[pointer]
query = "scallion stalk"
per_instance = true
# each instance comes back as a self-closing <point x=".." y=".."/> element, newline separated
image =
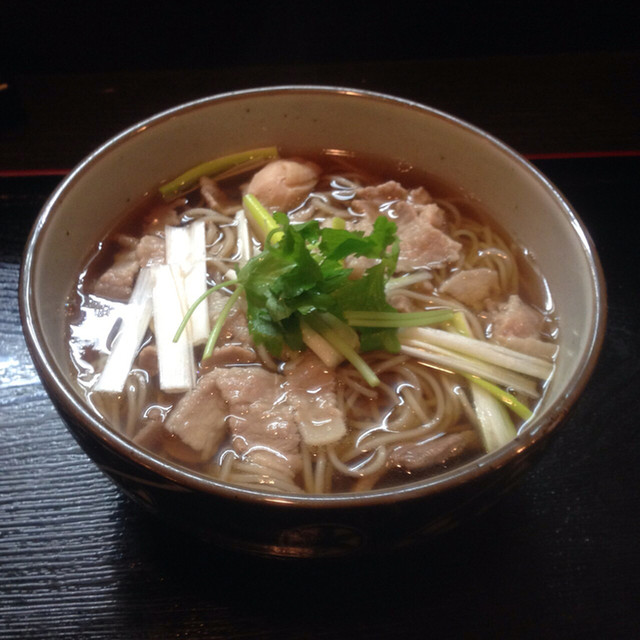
<point x="460" y="324"/>
<point x="505" y="397"/>
<point x="338" y="343"/>
<point x="212" y="168"/>
<point x="390" y="319"/>
<point x="263" y="221"/>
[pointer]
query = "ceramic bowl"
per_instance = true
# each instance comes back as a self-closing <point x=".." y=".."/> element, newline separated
<point x="96" y="193"/>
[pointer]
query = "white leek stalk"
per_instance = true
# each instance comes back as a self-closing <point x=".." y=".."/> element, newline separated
<point x="452" y="361"/>
<point x="186" y="250"/>
<point x="482" y="350"/>
<point x="176" y="364"/>
<point x="135" y="321"/>
<point x="244" y="239"/>
<point x="330" y="357"/>
<point x="496" y="427"/>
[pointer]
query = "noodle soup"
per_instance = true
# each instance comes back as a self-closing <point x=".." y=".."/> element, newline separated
<point x="384" y="331"/>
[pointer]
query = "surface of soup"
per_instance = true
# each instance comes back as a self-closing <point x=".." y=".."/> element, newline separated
<point x="382" y="332"/>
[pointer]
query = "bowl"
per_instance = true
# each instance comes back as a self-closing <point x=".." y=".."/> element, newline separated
<point x="95" y="194"/>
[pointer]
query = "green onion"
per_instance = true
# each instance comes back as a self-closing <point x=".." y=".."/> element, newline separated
<point x="461" y="325"/>
<point x="262" y="218"/>
<point x="344" y="331"/>
<point x="213" y="168"/>
<point x="338" y="343"/>
<point x="390" y="319"/>
<point x="504" y="396"/>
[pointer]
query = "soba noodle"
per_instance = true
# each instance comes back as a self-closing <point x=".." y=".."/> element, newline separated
<point x="412" y="404"/>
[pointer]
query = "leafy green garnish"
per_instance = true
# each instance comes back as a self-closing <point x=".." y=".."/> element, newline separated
<point x="300" y="283"/>
<point x="303" y="273"/>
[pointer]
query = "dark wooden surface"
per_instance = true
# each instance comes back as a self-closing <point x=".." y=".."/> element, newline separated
<point x="558" y="557"/>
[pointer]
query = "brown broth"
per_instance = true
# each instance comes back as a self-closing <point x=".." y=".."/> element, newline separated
<point x="83" y="308"/>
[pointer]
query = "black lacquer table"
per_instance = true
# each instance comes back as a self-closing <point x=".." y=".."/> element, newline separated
<point x="558" y="557"/>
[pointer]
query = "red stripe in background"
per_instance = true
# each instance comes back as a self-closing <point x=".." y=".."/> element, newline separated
<point x="27" y="173"/>
<point x="557" y="155"/>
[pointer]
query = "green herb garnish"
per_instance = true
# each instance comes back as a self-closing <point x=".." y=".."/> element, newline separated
<point x="300" y="281"/>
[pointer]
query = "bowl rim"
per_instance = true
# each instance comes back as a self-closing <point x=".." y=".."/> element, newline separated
<point x="67" y="399"/>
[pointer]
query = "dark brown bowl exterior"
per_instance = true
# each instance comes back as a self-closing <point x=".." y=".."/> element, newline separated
<point x="325" y="525"/>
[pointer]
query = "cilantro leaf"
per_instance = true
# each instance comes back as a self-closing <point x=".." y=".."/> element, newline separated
<point x="303" y="273"/>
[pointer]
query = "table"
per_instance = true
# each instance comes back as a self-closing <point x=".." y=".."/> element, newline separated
<point x="556" y="558"/>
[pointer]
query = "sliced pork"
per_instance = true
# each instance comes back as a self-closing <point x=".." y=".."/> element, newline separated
<point x="311" y="391"/>
<point x="198" y="419"/>
<point x="517" y="325"/>
<point x="212" y="194"/>
<point x="235" y="329"/>
<point x="421" y="226"/>
<point x="263" y="425"/>
<point x="382" y="193"/>
<point x="471" y="286"/>
<point x="117" y="281"/>
<point x="422" y="244"/>
<point x="516" y="318"/>
<point x="420" y="195"/>
<point x="228" y="355"/>
<point x="438" y="452"/>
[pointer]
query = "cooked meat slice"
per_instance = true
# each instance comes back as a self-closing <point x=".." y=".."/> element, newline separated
<point x="117" y="281"/>
<point x="262" y="422"/>
<point x="423" y="241"/>
<point x="155" y="437"/>
<point x="401" y="302"/>
<point x="235" y="329"/>
<point x="420" y="196"/>
<point x="381" y="193"/>
<point x="126" y="241"/>
<point x="228" y="355"/>
<point x="198" y="418"/>
<point x="311" y="391"/>
<point x="515" y="318"/>
<point x="472" y="286"/>
<point x="150" y="250"/>
<point x="404" y="212"/>
<point x="437" y="452"/>
<point x="284" y="184"/>
<point x="433" y="214"/>
<point x="366" y="212"/>
<point x="393" y="200"/>
<point x="212" y="194"/>
<point x="516" y="325"/>
<point x="422" y="244"/>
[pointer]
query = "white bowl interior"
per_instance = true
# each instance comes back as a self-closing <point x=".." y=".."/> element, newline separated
<point x="521" y="200"/>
